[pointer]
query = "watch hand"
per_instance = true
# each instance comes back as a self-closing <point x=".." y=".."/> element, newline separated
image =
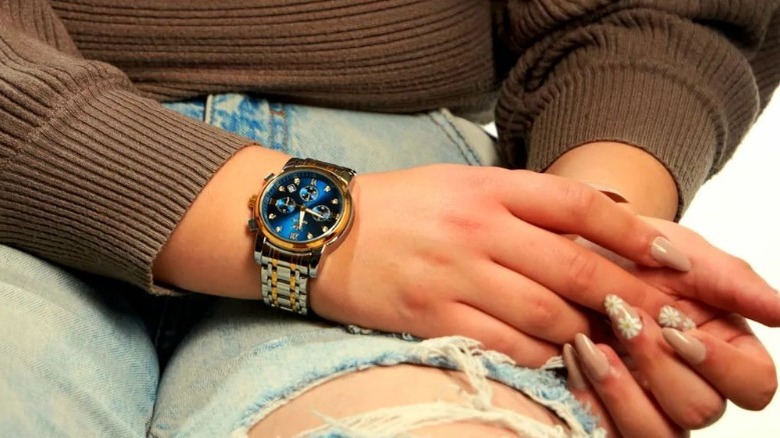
<point x="314" y="213"/>
<point x="300" y="218"/>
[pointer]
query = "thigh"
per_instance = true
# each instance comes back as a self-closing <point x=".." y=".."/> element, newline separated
<point x="74" y="360"/>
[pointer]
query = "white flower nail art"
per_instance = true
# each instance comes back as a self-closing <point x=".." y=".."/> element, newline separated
<point x="673" y="318"/>
<point x="624" y="319"/>
<point x="629" y="326"/>
<point x="670" y="317"/>
<point x="613" y="304"/>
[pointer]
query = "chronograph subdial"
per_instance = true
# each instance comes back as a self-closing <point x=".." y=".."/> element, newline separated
<point x="309" y="193"/>
<point x="321" y="213"/>
<point x="285" y="205"/>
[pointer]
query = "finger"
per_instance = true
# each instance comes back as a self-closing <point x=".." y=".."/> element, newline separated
<point x="741" y="369"/>
<point x="459" y="319"/>
<point x="525" y="305"/>
<point x="575" y="273"/>
<point x="567" y="206"/>
<point x="720" y="280"/>
<point x="615" y="393"/>
<point x="578" y="385"/>
<point x="689" y="400"/>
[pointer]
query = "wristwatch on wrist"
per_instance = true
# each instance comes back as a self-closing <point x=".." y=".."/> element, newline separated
<point x="297" y="215"/>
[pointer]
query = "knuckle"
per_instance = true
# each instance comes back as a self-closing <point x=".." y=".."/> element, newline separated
<point x="702" y="413"/>
<point x="579" y="198"/>
<point x="461" y="225"/>
<point x="743" y="264"/>
<point x="483" y="179"/>
<point x="542" y="314"/>
<point x="762" y="396"/>
<point x="581" y="270"/>
<point x="416" y="299"/>
<point x="502" y="344"/>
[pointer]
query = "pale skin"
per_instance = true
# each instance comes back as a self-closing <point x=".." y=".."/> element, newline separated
<point x="209" y="253"/>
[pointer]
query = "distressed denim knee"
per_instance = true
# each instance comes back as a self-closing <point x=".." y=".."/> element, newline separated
<point x="74" y="360"/>
<point x="464" y="355"/>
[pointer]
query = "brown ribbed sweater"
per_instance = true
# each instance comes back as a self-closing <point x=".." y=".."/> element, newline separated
<point x="95" y="173"/>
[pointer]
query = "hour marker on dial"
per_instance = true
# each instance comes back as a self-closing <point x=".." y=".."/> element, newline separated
<point x="335" y="201"/>
<point x="327" y="188"/>
<point x="324" y="229"/>
<point x="272" y="216"/>
<point x="310" y="236"/>
<point x="291" y="188"/>
<point x="297" y="181"/>
<point x="278" y="229"/>
<point x="281" y="188"/>
<point x="294" y="236"/>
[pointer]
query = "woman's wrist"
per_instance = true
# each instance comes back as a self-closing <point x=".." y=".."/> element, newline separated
<point x="632" y="173"/>
<point x="210" y="251"/>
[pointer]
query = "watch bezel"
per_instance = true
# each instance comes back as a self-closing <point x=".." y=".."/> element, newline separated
<point x="319" y="243"/>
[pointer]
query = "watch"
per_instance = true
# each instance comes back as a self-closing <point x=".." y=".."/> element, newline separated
<point x="296" y="216"/>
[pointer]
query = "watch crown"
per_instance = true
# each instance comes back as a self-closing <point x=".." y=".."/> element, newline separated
<point x="252" y="201"/>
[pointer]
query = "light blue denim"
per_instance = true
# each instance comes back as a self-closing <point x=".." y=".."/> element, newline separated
<point x="79" y="356"/>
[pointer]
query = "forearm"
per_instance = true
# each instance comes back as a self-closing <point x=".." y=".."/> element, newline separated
<point x="638" y="176"/>
<point x="210" y="251"/>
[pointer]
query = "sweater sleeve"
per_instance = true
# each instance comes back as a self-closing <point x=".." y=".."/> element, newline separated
<point x="682" y="80"/>
<point x="92" y="176"/>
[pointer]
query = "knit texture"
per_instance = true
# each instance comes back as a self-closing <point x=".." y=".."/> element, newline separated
<point x="95" y="173"/>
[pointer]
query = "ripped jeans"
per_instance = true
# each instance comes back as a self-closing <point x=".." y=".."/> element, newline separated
<point x="87" y="356"/>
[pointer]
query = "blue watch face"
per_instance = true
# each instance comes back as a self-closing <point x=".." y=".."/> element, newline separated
<point x="301" y="206"/>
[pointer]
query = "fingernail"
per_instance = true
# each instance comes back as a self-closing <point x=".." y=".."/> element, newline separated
<point x="576" y="378"/>
<point x="688" y="347"/>
<point x="624" y="318"/>
<point x="594" y="362"/>
<point x="665" y="253"/>
<point x="673" y="318"/>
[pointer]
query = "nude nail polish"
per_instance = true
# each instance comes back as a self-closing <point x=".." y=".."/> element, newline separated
<point x="665" y="253"/>
<point x="688" y="347"/>
<point x="672" y="317"/>
<point x="625" y="320"/>
<point x="576" y="378"/>
<point x="594" y="362"/>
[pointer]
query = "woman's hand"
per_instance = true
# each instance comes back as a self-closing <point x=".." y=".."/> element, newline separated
<point x="445" y="250"/>
<point x="717" y="282"/>
<point x="679" y="381"/>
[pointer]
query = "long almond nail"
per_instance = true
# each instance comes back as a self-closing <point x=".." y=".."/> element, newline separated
<point x="665" y="253"/>
<point x="624" y="318"/>
<point x="576" y="378"/>
<point x="672" y="317"/>
<point x="593" y="360"/>
<point x="688" y="347"/>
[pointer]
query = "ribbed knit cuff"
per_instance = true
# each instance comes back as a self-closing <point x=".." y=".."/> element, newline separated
<point x="646" y="109"/>
<point x="103" y="184"/>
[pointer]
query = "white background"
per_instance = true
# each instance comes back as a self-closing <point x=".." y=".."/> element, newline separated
<point x="738" y="210"/>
